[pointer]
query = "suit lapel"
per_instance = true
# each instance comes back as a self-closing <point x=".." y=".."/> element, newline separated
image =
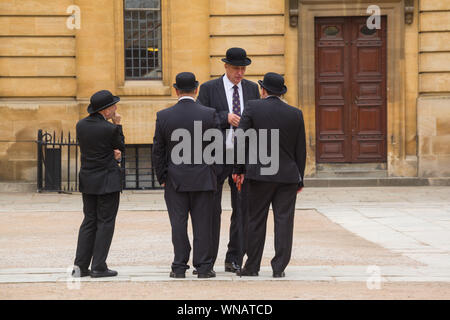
<point x="245" y="91"/>
<point x="220" y="88"/>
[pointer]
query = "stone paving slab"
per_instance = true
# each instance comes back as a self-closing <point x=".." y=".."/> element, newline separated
<point x="293" y="273"/>
<point x="413" y="221"/>
<point x="435" y="199"/>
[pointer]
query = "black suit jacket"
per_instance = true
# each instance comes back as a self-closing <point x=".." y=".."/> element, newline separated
<point x="212" y="94"/>
<point x="272" y="113"/>
<point x="184" y="177"/>
<point x="99" y="173"/>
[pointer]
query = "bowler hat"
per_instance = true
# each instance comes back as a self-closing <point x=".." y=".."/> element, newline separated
<point x="237" y="57"/>
<point x="274" y="83"/>
<point x="101" y="100"/>
<point x="185" y="81"/>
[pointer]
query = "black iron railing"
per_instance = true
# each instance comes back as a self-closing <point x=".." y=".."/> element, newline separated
<point x="58" y="163"/>
<point x="139" y="172"/>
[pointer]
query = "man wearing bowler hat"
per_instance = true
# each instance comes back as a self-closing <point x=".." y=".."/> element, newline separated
<point x="229" y="95"/>
<point x="188" y="185"/>
<point x="280" y="188"/>
<point x="101" y="144"/>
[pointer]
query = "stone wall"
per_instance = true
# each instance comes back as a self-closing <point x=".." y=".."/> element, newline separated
<point x="433" y="105"/>
<point x="37" y="51"/>
<point x="19" y="124"/>
<point x="48" y="71"/>
<point x="37" y="80"/>
<point x="257" y="26"/>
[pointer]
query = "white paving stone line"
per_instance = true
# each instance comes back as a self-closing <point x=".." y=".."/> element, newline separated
<point x="293" y="273"/>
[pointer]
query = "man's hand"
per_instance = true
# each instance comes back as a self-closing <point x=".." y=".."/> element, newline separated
<point x="116" y="118"/>
<point x="117" y="154"/>
<point x="299" y="189"/>
<point x="238" y="180"/>
<point x="233" y="119"/>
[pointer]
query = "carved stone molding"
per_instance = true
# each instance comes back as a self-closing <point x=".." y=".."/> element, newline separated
<point x="409" y="11"/>
<point x="293" y="13"/>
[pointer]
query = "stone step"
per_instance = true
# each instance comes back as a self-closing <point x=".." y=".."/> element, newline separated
<point x="376" y="182"/>
<point x="353" y="173"/>
<point x="309" y="182"/>
<point x="343" y="167"/>
<point x="18" y="186"/>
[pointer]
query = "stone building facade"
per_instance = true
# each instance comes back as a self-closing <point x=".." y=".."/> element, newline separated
<point x="53" y="57"/>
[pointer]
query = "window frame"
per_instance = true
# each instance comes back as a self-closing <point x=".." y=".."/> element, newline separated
<point x="142" y="87"/>
<point x="142" y="61"/>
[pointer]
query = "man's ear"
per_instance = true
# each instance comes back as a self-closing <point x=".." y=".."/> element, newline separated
<point x="263" y="92"/>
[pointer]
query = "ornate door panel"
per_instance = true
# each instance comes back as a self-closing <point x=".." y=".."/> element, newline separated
<point x="368" y="91"/>
<point x="350" y="90"/>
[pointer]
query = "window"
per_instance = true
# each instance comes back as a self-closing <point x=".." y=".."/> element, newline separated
<point x="142" y="27"/>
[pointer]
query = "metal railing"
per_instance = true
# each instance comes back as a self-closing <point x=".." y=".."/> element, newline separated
<point x="55" y="156"/>
<point x="139" y="172"/>
<point x="58" y="163"/>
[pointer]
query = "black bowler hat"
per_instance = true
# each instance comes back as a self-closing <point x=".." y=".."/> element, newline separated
<point x="101" y="100"/>
<point x="237" y="57"/>
<point x="274" y="83"/>
<point x="185" y="81"/>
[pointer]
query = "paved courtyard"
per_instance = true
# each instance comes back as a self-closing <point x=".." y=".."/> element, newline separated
<point x="344" y="238"/>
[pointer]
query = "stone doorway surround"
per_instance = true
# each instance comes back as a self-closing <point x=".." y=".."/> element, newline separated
<point x="398" y="163"/>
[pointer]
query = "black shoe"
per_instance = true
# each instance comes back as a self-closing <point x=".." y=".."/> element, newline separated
<point x="247" y="273"/>
<point x="232" y="267"/>
<point x="209" y="274"/>
<point x="79" y="273"/>
<point x="177" y="275"/>
<point x="103" y="274"/>
<point x="279" y="274"/>
<point x="195" y="272"/>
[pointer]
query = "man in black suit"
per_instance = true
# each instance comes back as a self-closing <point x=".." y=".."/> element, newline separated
<point x="189" y="183"/>
<point x="101" y="143"/>
<point x="281" y="186"/>
<point x="229" y="95"/>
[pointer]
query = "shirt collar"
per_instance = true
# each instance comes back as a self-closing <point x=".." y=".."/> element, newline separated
<point x="228" y="84"/>
<point x="186" y="97"/>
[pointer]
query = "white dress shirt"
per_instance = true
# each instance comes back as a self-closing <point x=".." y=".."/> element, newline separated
<point x="186" y="97"/>
<point x="229" y="93"/>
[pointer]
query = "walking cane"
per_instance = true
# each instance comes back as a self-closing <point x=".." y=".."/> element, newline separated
<point x="237" y="180"/>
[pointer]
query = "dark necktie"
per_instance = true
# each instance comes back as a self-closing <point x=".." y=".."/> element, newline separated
<point x="236" y="101"/>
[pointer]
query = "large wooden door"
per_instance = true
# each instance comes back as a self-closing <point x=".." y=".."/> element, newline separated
<point x="350" y="90"/>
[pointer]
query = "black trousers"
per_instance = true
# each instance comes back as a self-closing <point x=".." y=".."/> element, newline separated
<point x="237" y="244"/>
<point x="96" y="230"/>
<point x="282" y="196"/>
<point x="200" y="206"/>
